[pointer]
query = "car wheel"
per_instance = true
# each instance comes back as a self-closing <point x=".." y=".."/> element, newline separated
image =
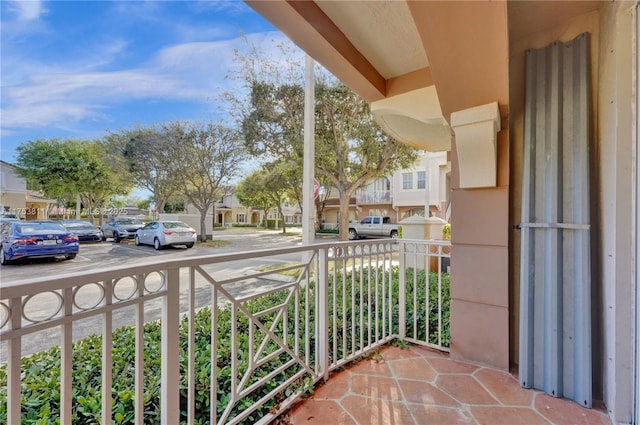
<point x="156" y="244"/>
<point x="70" y="256"/>
<point x="3" y="257"/>
<point x="394" y="234"/>
<point x="189" y="245"/>
<point x="353" y="235"/>
<point x="116" y="237"/>
<point x="103" y="238"/>
<point x="137" y="241"/>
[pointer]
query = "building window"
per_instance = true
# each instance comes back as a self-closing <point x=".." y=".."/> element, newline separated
<point x="241" y="218"/>
<point x="422" y="179"/>
<point x="414" y="211"/>
<point x="407" y="181"/>
<point x="379" y="211"/>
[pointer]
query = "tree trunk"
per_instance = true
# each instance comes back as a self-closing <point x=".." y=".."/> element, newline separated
<point x="343" y="225"/>
<point x="319" y="209"/>
<point x="284" y="226"/>
<point x="203" y="225"/>
<point x="213" y="220"/>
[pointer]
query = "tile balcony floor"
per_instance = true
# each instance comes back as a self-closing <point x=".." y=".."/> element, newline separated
<point x="417" y="385"/>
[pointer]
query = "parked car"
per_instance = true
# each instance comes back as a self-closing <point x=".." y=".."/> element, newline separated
<point x="373" y="226"/>
<point x="36" y="239"/>
<point x="120" y="228"/>
<point x="8" y="217"/>
<point x="166" y="233"/>
<point x="85" y="230"/>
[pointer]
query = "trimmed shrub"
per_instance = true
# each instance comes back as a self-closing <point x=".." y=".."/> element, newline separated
<point x="41" y="371"/>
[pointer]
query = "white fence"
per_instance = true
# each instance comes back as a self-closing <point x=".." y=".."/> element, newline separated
<point x="246" y="333"/>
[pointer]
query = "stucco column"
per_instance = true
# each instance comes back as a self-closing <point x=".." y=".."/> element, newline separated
<point x="479" y="238"/>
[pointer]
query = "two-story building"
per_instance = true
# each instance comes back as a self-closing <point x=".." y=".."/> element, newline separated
<point x="425" y="186"/>
<point x="15" y="198"/>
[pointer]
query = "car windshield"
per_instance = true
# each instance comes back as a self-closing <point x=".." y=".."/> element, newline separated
<point x="34" y="227"/>
<point x="78" y="225"/>
<point x="175" y="225"/>
<point x="128" y="221"/>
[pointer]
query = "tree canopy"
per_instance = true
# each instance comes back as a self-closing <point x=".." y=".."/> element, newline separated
<point x="145" y="154"/>
<point x="65" y="169"/>
<point x="204" y="160"/>
<point x="350" y="147"/>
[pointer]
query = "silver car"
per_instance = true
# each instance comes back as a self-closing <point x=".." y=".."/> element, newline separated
<point x="166" y="233"/>
<point x="120" y="228"/>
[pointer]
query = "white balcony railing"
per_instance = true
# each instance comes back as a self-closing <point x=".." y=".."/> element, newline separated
<point x="364" y="196"/>
<point x="271" y="323"/>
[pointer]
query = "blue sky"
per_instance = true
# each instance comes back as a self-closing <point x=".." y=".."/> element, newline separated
<point x="78" y="69"/>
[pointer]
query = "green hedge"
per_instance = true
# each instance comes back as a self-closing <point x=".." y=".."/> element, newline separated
<point x="41" y="371"/>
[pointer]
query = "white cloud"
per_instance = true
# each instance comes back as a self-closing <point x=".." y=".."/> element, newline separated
<point x="27" y="10"/>
<point x="189" y="72"/>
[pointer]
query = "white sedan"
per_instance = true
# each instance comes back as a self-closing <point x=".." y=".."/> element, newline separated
<point x="166" y="233"/>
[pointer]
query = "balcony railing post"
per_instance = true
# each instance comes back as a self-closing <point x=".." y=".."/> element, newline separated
<point x="14" y="346"/>
<point x="170" y="363"/>
<point x="66" y="361"/>
<point x="402" y="295"/>
<point x="323" y="314"/>
<point x="107" y="354"/>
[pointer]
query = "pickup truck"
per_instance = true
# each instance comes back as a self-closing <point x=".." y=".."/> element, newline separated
<point x="373" y="226"/>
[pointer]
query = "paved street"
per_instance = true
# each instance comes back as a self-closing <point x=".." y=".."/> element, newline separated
<point x="103" y="255"/>
<point x="107" y="254"/>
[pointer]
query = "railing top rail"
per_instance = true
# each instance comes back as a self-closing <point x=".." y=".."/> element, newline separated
<point x="427" y="241"/>
<point x="31" y="286"/>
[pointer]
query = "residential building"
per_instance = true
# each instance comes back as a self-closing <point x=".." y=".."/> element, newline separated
<point x="13" y="189"/>
<point x="409" y="191"/>
<point x="17" y="199"/>
<point x="230" y="211"/>
<point x="424" y="186"/>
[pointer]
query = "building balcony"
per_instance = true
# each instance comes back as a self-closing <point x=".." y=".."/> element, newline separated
<point x="252" y="334"/>
<point x="372" y="197"/>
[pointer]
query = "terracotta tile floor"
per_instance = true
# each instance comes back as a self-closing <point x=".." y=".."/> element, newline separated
<point x="421" y="386"/>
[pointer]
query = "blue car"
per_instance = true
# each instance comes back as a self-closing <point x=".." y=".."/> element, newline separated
<point x="36" y="239"/>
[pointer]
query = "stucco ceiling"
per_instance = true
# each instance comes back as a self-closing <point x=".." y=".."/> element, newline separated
<point x="416" y="62"/>
<point x="377" y="29"/>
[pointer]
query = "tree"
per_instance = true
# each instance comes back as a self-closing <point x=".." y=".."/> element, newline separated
<point x="351" y="148"/>
<point x="145" y="154"/>
<point x="252" y="192"/>
<point x="67" y="169"/>
<point x="204" y="159"/>
<point x="265" y="188"/>
<point x="321" y="199"/>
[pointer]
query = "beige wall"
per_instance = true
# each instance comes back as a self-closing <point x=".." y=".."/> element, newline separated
<point x="480" y="267"/>
<point x="16" y="202"/>
<point x="617" y="120"/>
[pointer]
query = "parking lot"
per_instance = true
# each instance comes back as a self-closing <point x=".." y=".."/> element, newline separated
<point x="95" y="256"/>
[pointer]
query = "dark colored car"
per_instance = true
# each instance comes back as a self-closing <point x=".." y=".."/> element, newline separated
<point x="36" y="239"/>
<point x="86" y="231"/>
<point x="120" y="228"/>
